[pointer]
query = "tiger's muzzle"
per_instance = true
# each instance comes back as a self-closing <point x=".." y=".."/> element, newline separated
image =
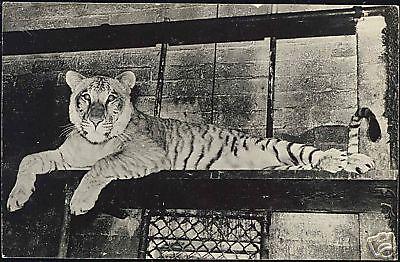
<point x="97" y="113"/>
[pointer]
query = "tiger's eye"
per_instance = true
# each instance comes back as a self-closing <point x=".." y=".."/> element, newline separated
<point x="86" y="97"/>
<point x="111" y="98"/>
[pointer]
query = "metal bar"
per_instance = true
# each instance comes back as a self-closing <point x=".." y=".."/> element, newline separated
<point x="66" y="224"/>
<point x="144" y="232"/>
<point x="214" y="74"/>
<point x="271" y="83"/>
<point x="271" y="88"/>
<point x="213" y="30"/>
<point x="160" y="80"/>
<point x="265" y="225"/>
<point x="213" y="83"/>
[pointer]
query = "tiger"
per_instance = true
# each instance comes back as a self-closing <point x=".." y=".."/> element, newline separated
<point x="114" y="140"/>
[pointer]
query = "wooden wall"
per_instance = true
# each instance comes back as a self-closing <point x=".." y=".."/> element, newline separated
<point x="316" y="84"/>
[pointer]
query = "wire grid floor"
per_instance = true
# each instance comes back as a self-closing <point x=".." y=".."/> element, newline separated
<point x="200" y="234"/>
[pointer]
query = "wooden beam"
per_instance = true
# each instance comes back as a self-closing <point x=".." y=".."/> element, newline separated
<point x="289" y="191"/>
<point x="200" y="31"/>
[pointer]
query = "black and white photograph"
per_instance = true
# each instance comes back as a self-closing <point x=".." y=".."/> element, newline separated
<point x="187" y="131"/>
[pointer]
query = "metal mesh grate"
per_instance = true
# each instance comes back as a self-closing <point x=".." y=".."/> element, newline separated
<point x="191" y="234"/>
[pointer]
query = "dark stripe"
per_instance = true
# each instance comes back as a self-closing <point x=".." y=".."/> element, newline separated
<point x="220" y="134"/>
<point x="226" y="140"/>
<point x="353" y="135"/>
<point x="262" y="147"/>
<point x="235" y="151"/>
<point x="204" y="133"/>
<point x="215" y="158"/>
<point x="233" y="143"/>
<point x="311" y="154"/>
<point x="303" y="147"/>
<point x="200" y="157"/>
<point x="354" y="125"/>
<point x="245" y="145"/>
<point x="241" y="136"/>
<point x="176" y="146"/>
<point x="259" y="140"/>
<point x="363" y="112"/>
<point x="191" y="150"/>
<point x="276" y="153"/>
<point x="268" y="141"/>
<point x="292" y="157"/>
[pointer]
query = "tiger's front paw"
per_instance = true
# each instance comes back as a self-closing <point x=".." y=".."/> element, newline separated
<point x="332" y="160"/>
<point x="19" y="196"/>
<point x="359" y="163"/>
<point x="82" y="202"/>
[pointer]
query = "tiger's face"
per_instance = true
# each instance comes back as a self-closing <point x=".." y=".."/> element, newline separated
<point x="100" y="107"/>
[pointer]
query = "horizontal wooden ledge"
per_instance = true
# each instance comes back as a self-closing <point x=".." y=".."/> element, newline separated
<point x="247" y="175"/>
<point x="199" y="31"/>
<point x="289" y="191"/>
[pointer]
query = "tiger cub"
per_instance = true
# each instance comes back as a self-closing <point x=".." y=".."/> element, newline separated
<point x="116" y="141"/>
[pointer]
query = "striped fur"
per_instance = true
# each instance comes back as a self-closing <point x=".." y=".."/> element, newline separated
<point x="116" y="141"/>
<point x="374" y="130"/>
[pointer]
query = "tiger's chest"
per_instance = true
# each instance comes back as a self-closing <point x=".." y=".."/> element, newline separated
<point x="78" y="152"/>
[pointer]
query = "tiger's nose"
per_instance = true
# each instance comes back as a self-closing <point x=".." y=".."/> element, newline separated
<point x="96" y="121"/>
<point x="96" y="113"/>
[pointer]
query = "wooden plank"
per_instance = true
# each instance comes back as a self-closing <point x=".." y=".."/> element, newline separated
<point x="240" y="189"/>
<point x="314" y="236"/>
<point x="65" y="227"/>
<point x="227" y="29"/>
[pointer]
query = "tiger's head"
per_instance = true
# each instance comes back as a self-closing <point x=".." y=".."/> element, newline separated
<point x="100" y="106"/>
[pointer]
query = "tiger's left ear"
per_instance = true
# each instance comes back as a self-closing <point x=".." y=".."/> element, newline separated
<point x="127" y="79"/>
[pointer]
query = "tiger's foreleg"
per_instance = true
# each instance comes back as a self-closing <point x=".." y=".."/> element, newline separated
<point x="30" y="166"/>
<point x="112" y="167"/>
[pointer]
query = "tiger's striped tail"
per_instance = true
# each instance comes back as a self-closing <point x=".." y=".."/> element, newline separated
<point x="374" y="130"/>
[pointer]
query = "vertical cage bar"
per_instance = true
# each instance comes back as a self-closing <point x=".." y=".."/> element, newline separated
<point x="271" y="87"/>
<point x="160" y="80"/>
<point x="271" y="82"/>
<point x="265" y="225"/>
<point x="144" y="233"/>
<point x="214" y="74"/>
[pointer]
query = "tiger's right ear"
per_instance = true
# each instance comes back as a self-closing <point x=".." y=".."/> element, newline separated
<point x="73" y="79"/>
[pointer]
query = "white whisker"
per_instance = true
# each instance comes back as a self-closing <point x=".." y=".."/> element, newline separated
<point x="66" y="131"/>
